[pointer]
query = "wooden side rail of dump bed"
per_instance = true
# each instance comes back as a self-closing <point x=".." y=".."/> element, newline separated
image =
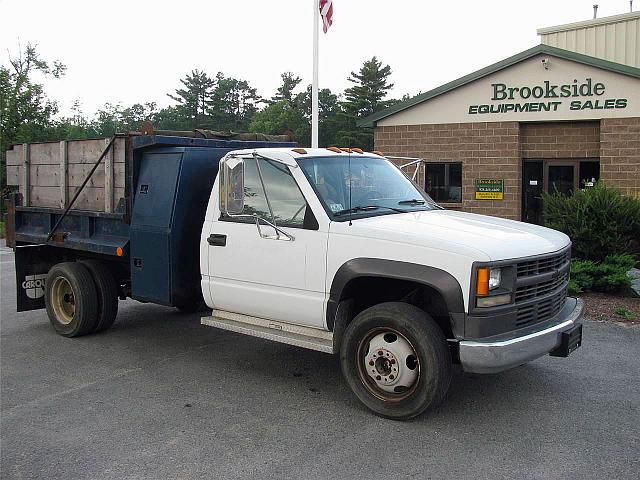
<point x="49" y="174"/>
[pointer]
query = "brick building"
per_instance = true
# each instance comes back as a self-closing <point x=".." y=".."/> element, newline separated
<point x="547" y="119"/>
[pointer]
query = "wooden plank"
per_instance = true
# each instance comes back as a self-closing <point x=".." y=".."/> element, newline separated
<point x="108" y="178"/>
<point x="88" y="151"/>
<point x="45" y="153"/>
<point x="91" y="198"/>
<point x="120" y="152"/>
<point x="14" y="155"/>
<point x="64" y="190"/>
<point x="45" y="175"/>
<point x="78" y="172"/>
<point x="13" y="175"/>
<point x="26" y="173"/>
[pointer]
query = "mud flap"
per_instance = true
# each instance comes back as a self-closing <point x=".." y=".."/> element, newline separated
<point x="32" y="264"/>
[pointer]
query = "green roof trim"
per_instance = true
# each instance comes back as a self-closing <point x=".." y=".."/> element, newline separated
<point x="371" y="120"/>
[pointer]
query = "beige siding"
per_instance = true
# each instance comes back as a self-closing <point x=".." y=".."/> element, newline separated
<point x="615" y="38"/>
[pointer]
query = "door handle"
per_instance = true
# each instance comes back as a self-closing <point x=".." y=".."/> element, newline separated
<point x="217" y="240"/>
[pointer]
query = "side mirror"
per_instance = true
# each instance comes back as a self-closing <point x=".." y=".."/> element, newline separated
<point x="232" y="193"/>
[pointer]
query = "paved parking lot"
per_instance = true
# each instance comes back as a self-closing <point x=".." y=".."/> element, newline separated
<point x="160" y="396"/>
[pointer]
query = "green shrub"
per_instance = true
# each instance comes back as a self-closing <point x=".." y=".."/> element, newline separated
<point x="600" y="221"/>
<point x="609" y="276"/>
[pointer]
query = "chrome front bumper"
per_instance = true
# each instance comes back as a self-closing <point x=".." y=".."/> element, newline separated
<point x="503" y="351"/>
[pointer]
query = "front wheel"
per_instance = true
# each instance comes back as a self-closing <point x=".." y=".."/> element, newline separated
<point x="396" y="360"/>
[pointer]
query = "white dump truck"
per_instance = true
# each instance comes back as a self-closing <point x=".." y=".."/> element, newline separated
<point x="334" y="250"/>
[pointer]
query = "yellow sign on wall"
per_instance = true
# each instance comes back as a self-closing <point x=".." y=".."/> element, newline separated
<point x="489" y="189"/>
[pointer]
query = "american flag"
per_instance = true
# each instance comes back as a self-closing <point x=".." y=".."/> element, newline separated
<point x="326" y="12"/>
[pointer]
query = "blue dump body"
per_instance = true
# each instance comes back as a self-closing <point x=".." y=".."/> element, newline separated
<point x="158" y="228"/>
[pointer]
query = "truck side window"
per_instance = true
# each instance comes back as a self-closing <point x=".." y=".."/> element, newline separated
<point x="287" y="202"/>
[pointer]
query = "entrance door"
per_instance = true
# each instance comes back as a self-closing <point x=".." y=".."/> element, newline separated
<point x="553" y="176"/>
<point x="532" y="187"/>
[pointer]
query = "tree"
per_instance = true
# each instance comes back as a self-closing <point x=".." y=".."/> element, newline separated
<point x="116" y="119"/>
<point x="371" y="86"/>
<point x="365" y="97"/>
<point x="280" y="117"/>
<point x="25" y="111"/>
<point x="195" y="98"/>
<point x="329" y="110"/>
<point x="285" y="91"/>
<point x="234" y="103"/>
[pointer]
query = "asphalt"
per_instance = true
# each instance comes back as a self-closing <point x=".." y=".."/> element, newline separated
<point x="159" y="396"/>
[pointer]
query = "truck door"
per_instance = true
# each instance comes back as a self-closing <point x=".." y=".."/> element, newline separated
<point x="268" y="258"/>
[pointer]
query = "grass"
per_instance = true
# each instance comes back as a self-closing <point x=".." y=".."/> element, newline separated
<point x="625" y="313"/>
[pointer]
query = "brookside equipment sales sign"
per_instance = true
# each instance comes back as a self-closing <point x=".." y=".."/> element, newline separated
<point x="549" y="97"/>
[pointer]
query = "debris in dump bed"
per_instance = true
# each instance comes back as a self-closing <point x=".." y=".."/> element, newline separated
<point x="147" y="129"/>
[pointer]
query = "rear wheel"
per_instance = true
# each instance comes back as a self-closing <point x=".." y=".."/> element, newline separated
<point x="71" y="299"/>
<point x="107" y="290"/>
<point x="396" y="360"/>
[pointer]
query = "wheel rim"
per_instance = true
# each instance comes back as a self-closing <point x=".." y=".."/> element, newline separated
<point x="388" y="364"/>
<point x="63" y="300"/>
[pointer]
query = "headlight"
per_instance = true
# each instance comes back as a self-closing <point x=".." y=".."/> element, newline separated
<point x="494" y="301"/>
<point x="488" y="279"/>
<point x="495" y="277"/>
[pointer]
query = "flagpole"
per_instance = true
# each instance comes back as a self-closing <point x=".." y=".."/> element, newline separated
<point x="314" y="84"/>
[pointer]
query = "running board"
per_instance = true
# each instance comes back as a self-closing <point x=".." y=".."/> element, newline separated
<point x="305" y="337"/>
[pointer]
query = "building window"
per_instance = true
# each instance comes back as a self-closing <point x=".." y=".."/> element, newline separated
<point x="443" y="182"/>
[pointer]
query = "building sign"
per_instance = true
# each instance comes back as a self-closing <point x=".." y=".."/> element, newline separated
<point x="489" y="189"/>
<point x="548" y="97"/>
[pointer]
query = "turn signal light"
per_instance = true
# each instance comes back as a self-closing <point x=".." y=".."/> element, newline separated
<point x="482" y="283"/>
<point x="334" y="149"/>
<point x="119" y="251"/>
<point x="357" y="150"/>
<point x="378" y="152"/>
<point x="301" y="151"/>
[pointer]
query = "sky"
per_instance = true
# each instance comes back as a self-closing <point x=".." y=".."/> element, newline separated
<point x="136" y="51"/>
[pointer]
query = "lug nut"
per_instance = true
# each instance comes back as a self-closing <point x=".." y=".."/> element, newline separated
<point x="393" y="361"/>
<point x="391" y="376"/>
<point x="380" y="352"/>
<point x="378" y="377"/>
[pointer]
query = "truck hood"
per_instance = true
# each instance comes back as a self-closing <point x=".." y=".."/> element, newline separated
<point x="496" y="238"/>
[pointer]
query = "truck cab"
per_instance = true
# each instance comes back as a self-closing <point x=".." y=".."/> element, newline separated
<point x="338" y="251"/>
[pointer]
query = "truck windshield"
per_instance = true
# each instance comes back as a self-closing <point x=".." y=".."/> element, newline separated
<point x="377" y="186"/>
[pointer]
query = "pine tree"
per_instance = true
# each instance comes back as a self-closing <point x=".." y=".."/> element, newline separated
<point x="234" y="103"/>
<point x="285" y="91"/>
<point x="371" y="86"/>
<point x="195" y="98"/>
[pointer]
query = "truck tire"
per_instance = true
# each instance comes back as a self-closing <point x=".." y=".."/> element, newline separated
<point x="107" y="290"/>
<point x="396" y="360"/>
<point x="71" y="299"/>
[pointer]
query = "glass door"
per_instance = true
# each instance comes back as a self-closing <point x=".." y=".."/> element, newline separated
<point x="532" y="185"/>
<point x="561" y="178"/>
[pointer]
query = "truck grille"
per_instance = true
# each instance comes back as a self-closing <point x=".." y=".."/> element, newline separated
<point x="539" y="312"/>
<point x="551" y="293"/>
<point x="543" y="265"/>
<point x="540" y="289"/>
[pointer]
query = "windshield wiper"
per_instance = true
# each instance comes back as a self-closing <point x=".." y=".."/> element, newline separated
<point x="366" y="208"/>
<point x="413" y="201"/>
